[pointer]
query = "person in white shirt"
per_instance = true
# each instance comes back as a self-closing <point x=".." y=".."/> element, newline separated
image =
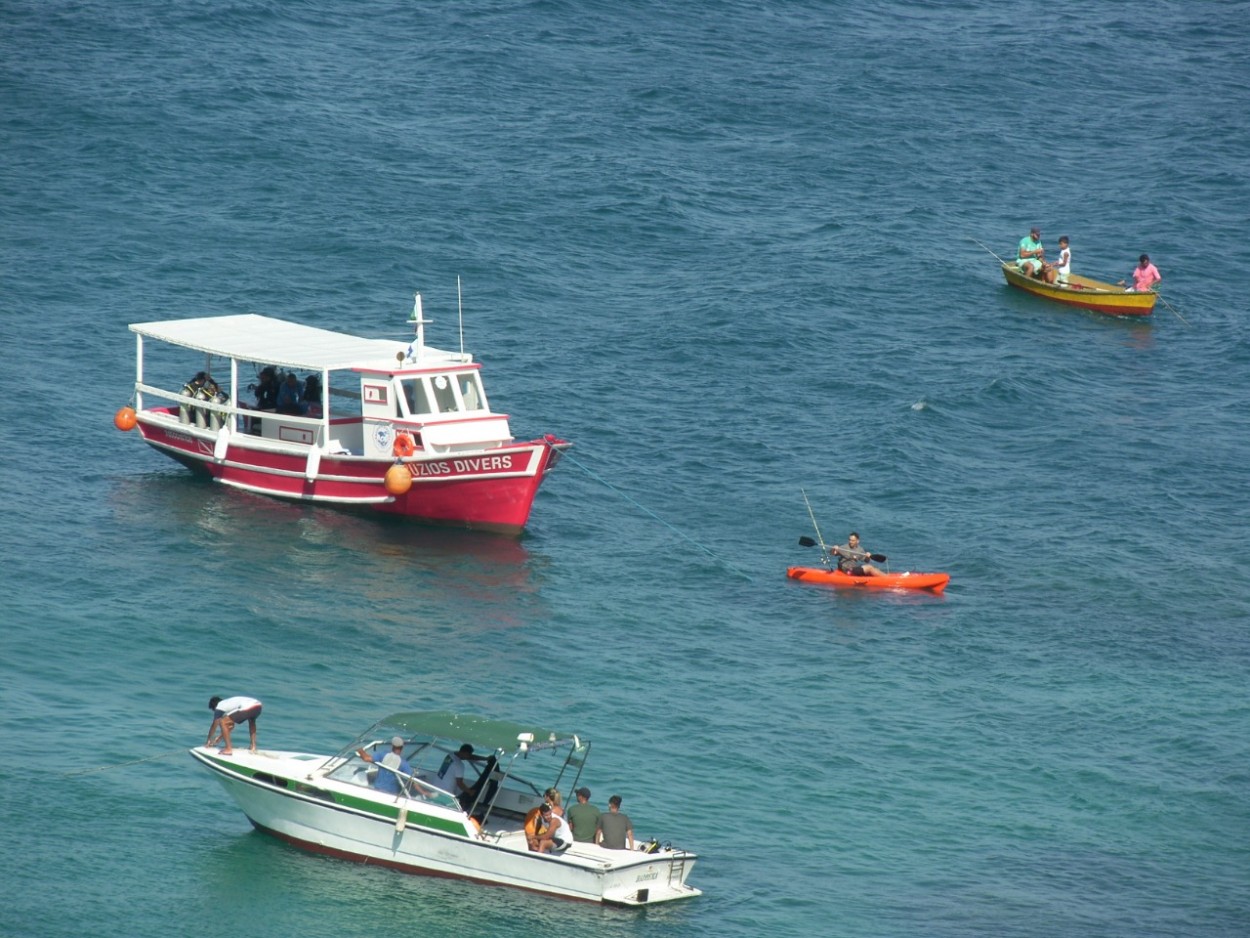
<point x="229" y="713"/>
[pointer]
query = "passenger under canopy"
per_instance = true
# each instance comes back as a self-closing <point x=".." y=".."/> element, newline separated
<point x="555" y="758"/>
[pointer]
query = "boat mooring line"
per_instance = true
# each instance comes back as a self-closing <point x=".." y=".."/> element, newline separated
<point x="118" y="765"/>
<point x="642" y="507"/>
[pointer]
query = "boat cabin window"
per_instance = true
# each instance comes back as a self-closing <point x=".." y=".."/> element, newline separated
<point x="470" y="393"/>
<point x="444" y="394"/>
<point x="437" y="394"/>
<point x="416" y="397"/>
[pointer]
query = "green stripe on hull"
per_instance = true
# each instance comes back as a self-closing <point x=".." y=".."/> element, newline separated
<point x="389" y="812"/>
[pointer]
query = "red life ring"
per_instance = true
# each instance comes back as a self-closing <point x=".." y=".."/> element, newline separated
<point x="404" y="445"/>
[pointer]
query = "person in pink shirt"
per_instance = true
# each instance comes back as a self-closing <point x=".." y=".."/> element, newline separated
<point x="1145" y="275"/>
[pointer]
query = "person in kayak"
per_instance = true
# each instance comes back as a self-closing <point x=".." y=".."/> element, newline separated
<point x="853" y="559"/>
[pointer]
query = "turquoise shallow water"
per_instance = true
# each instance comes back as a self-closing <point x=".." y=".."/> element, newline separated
<point x="727" y="251"/>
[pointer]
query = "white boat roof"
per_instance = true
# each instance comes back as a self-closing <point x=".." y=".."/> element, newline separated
<point x="256" y="338"/>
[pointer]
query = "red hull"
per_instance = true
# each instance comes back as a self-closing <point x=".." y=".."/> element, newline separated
<point x="490" y="491"/>
<point x="934" y="582"/>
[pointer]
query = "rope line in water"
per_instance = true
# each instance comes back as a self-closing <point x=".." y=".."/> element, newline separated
<point x="118" y="765"/>
<point x="641" y="507"/>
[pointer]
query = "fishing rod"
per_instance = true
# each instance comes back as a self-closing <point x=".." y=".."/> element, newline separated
<point x="992" y="254"/>
<point x="824" y="551"/>
<point x="1171" y="309"/>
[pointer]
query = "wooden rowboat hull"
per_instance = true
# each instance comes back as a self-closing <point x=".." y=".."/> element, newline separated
<point x="1084" y="293"/>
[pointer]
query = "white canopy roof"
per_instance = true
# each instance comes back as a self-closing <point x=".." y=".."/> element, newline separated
<point x="255" y="338"/>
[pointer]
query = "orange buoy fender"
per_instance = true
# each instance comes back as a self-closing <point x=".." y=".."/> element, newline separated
<point x="398" y="479"/>
<point x="404" y="445"/>
<point x="125" y="419"/>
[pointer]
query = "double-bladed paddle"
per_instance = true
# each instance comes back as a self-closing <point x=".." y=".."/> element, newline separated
<point x="805" y="541"/>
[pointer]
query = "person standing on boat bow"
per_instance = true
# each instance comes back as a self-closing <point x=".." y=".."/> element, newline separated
<point x="853" y="559"/>
<point x="386" y="779"/>
<point x="1030" y="255"/>
<point x="229" y="713"/>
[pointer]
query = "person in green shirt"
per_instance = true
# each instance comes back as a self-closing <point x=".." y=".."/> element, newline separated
<point x="1030" y="255"/>
<point x="582" y="817"/>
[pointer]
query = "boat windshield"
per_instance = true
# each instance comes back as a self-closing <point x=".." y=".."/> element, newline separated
<point x="443" y="394"/>
<point x="509" y="769"/>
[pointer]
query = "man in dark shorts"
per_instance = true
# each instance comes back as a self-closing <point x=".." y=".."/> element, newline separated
<point x="853" y="559"/>
<point x="229" y="713"/>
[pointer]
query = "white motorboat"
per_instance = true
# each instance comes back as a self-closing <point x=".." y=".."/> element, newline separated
<point x="328" y="804"/>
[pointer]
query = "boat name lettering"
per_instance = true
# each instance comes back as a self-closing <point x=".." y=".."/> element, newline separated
<point x="649" y="875"/>
<point x="476" y="464"/>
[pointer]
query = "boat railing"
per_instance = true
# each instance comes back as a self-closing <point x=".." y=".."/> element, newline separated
<point x="227" y="410"/>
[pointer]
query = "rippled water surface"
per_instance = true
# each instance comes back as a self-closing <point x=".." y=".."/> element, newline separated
<point x="730" y="251"/>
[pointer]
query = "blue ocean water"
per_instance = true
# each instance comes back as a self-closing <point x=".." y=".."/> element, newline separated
<point x="729" y="250"/>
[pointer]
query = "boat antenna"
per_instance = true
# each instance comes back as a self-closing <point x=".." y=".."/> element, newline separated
<point x="460" y="308"/>
<point x="824" y="551"/>
<point x="418" y="320"/>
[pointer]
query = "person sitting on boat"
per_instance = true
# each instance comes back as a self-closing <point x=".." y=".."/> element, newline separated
<point x="1030" y="255"/>
<point x="1058" y="271"/>
<point x="853" y="559"/>
<point x="583" y="817"/>
<point x="563" y="831"/>
<point x="613" y="830"/>
<point x="266" y="388"/>
<point x="1145" y="276"/>
<point x="312" y="396"/>
<point x="386" y="780"/>
<point x="539" y="829"/>
<point x="289" y="395"/>
<point x="451" y="773"/>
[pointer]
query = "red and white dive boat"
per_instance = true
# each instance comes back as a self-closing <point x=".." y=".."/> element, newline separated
<point x="386" y="425"/>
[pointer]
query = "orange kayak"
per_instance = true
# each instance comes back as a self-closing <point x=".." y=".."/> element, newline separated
<point x="890" y="581"/>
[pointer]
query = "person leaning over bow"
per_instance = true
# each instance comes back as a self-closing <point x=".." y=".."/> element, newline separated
<point x="853" y="559"/>
<point x="1030" y="255"/>
<point x="229" y="713"/>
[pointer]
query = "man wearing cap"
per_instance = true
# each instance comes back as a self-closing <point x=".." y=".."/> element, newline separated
<point x="451" y="775"/>
<point x="229" y="713"/>
<point x="1030" y="255"/>
<point x="613" y="830"/>
<point x="582" y="817"/>
<point x="394" y="761"/>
